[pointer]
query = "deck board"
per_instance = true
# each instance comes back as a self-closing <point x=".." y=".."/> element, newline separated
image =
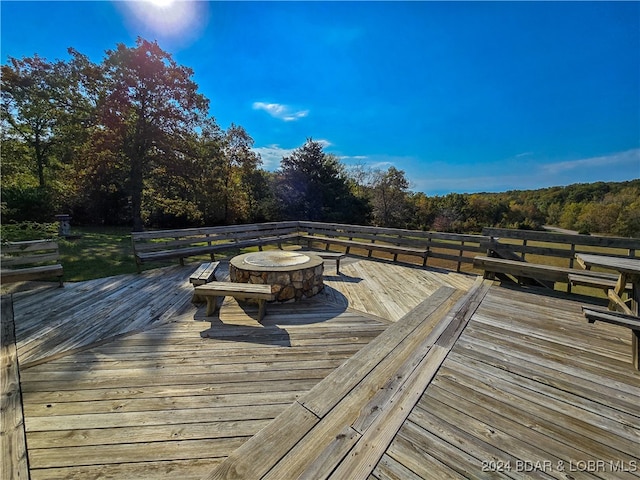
<point x="13" y="438"/>
<point x="530" y="385"/>
<point x="124" y="378"/>
<point x="107" y="384"/>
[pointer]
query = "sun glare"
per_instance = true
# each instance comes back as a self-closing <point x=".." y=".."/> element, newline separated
<point x="166" y="19"/>
<point x="161" y="3"/>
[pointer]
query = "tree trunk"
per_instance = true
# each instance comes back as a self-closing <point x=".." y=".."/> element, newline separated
<point x="40" y="160"/>
<point x="136" y="194"/>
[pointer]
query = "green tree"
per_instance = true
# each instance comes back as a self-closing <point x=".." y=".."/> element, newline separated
<point x="31" y="105"/>
<point x="238" y="164"/>
<point x="313" y="185"/>
<point x="151" y="108"/>
<point x="389" y="198"/>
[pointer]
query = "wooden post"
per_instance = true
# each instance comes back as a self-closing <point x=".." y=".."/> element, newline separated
<point x="573" y="254"/>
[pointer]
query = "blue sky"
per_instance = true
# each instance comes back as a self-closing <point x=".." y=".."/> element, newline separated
<point x="463" y="96"/>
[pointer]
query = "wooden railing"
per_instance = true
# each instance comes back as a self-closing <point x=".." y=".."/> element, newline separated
<point x="550" y="256"/>
<point x="457" y="248"/>
<point x="30" y="260"/>
<point x="522" y="244"/>
<point x="160" y="245"/>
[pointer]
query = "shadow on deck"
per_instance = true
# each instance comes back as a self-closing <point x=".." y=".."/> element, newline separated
<point x="125" y="378"/>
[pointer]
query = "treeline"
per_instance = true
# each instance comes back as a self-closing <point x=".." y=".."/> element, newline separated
<point x="130" y="141"/>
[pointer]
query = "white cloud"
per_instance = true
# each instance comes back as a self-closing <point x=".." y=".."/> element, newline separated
<point x="501" y="177"/>
<point x="630" y="157"/>
<point x="280" y="111"/>
<point x="272" y="155"/>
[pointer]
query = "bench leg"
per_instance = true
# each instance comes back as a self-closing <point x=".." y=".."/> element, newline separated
<point x="261" y="309"/>
<point x="196" y="299"/>
<point x="212" y="305"/>
<point x="635" y="348"/>
<point x="338" y="266"/>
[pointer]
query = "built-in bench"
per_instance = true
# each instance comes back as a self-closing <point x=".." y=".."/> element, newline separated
<point x="183" y="243"/>
<point x="370" y="247"/>
<point x="452" y="247"/>
<point x="242" y="291"/>
<point x="30" y="260"/>
<point x="161" y="245"/>
<point x="542" y="273"/>
<point x="632" y="322"/>
<point x="204" y="274"/>
<point x="587" y="279"/>
<point x="335" y="256"/>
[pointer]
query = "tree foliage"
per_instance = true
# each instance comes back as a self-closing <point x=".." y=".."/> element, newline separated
<point x="130" y="140"/>
<point x="313" y="185"/>
<point x="150" y="107"/>
<point x="389" y="198"/>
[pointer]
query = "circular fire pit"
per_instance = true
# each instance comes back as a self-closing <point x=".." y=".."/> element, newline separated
<point x="292" y="275"/>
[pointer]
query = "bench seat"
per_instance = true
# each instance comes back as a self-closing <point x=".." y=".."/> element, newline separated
<point x="31" y="273"/>
<point x="243" y="291"/>
<point x="204" y="274"/>
<point x="593" y="314"/>
<point x="492" y="265"/>
<point x="30" y="260"/>
<point x="369" y="246"/>
<point x="551" y="273"/>
<point x="337" y="256"/>
<point x="589" y="280"/>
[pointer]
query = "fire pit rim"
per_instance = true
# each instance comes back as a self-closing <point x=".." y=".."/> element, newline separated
<point x="238" y="262"/>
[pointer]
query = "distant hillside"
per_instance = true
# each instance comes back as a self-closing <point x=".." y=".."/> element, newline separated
<point x="611" y="208"/>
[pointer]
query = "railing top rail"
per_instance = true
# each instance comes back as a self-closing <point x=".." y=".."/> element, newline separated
<point x="222" y="229"/>
<point x="342" y="227"/>
<point x="567" y="238"/>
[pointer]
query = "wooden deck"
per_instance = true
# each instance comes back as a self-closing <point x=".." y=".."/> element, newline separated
<point x="125" y="378"/>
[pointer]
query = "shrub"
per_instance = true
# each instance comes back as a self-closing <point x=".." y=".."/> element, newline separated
<point x="17" y="232"/>
<point x="29" y="204"/>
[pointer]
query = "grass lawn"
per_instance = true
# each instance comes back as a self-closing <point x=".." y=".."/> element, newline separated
<point x="106" y="251"/>
<point x="97" y="252"/>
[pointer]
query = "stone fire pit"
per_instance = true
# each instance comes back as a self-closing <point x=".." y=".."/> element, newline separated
<point x="293" y="275"/>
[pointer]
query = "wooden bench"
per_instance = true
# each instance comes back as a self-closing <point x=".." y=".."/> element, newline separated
<point x="370" y="247"/>
<point x="449" y="247"/>
<point x="337" y="256"/>
<point x="242" y="291"/>
<point x="587" y="278"/>
<point x="161" y="245"/>
<point x="543" y="273"/>
<point x="594" y="314"/>
<point x="30" y="260"/>
<point x="204" y="274"/>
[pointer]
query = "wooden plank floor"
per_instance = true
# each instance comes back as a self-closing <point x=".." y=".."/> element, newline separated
<point x="529" y="390"/>
<point x="125" y="378"/>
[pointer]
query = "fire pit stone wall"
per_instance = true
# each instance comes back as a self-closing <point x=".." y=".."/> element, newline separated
<point x="289" y="282"/>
